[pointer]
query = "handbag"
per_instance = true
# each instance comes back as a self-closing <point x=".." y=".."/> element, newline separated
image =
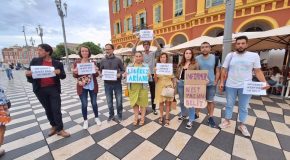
<point x="126" y="92"/>
<point x="168" y="91"/>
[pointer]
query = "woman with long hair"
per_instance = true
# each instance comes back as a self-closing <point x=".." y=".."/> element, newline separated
<point x="188" y="62"/>
<point x="163" y="81"/>
<point x="87" y="84"/>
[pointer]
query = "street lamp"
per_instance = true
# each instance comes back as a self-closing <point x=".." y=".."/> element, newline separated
<point x="62" y="15"/>
<point x="25" y="48"/>
<point x="39" y="31"/>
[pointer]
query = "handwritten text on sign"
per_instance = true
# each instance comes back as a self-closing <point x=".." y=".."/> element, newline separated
<point x="195" y="88"/>
<point x="164" y="68"/>
<point x="109" y="74"/>
<point x="86" y="68"/>
<point x="137" y="74"/>
<point x="194" y="96"/>
<point x="146" y="35"/>
<point x="42" y="72"/>
<point x="254" y="88"/>
<point x="196" y="77"/>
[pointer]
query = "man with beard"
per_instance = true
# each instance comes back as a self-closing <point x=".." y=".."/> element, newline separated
<point x="237" y="68"/>
<point x="209" y="62"/>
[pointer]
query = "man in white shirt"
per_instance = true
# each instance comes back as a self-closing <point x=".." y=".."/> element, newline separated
<point x="237" y="69"/>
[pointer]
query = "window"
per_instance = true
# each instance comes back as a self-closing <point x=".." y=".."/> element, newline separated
<point x="117" y="28"/>
<point x="141" y="20"/>
<point x="212" y="3"/>
<point x="128" y="26"/>
<point x="157" y="18"/>
<point x="116" y="6"/>
<point x="127" y="3"/>
<point x="178" y="8"/>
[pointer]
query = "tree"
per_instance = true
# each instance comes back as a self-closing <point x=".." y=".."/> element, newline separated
<point x="95" y="49"/>
<point x="59" y="52"/>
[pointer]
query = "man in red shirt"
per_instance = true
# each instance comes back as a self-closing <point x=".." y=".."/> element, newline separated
<point x="48" y="90"/>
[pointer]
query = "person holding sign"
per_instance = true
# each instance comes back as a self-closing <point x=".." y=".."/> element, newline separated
<point x="87" y="83"/>
<point x="149" y="58"/>
<point x="210" y="63"/>
<point x="238" y="67"/>
<point x="48" y="90"/>
<point x="188" y="62"/>
<point x="162" y="82"/>
<point x="111" y="62"/>
<point x="138" y="92"/>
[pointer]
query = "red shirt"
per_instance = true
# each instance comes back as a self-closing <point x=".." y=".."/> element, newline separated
<point x="45" y="82"/>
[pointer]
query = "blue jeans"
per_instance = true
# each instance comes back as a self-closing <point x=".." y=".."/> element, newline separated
<point x="191" y="111"/>
<point x="84" y="101"/>
<point x="117" y="89"/>
<point x="231" y="96"/>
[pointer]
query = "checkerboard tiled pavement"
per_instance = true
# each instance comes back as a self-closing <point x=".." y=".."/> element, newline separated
<point x="26" y="136"/>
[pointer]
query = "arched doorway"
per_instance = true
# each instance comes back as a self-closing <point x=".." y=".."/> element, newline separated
<point x="119" y="46"/>
<point x="161" y="41"/>
<point x="129" y="45"/>
<point x="215" y="32"/>
<point x="256" y="24"/>
<point x="178" y="38"/>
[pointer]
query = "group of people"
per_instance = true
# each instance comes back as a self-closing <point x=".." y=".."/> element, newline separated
<point x="236" y="69"/>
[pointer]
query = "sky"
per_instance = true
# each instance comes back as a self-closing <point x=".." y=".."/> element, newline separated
<point x="87" y="20"/>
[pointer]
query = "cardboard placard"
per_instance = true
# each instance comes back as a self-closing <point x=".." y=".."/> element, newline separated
<point x="42" y="72"/>
<point x="195" y="82"/>
<point x="164" y="68"/>
<point x="86" y="68"/>
<point x="137" y="74"/>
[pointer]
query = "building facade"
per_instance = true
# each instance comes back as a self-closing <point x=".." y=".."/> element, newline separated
<point x="17" y="54"/>
<point x="177" y="21"/>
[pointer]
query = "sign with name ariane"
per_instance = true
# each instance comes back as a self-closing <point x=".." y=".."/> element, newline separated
<point x="137" y="74"/>
<point x="254" y="88"/>
<point x="86" y="68"/>
<point x="164" y="68"/>
<point x="146" y="35"/>
<point x="42" y="72"/>
<point x="109" y="74"/>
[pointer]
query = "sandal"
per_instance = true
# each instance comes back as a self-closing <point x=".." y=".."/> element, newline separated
<point x="167" y="122"/>
<point x="141" y="123"/>
<point x="160" y="120"/>
<point x="135" y="122"/>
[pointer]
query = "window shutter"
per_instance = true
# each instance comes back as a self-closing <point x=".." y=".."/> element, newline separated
<point x="125" y="5"/>
<point x="120" y="27"/>
<point x="130" y="24"/>
<point x="145" y="21"/>
<point x="115" y="28"/>
<point x="137" y="20"/>
<point x="125" y="25"/>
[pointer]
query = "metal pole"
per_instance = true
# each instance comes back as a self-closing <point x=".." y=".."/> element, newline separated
<point x="26" y="47"/>
<point x="227" y="41"/>
<point x="25" y="36"/>
<point x="65" y="44"/>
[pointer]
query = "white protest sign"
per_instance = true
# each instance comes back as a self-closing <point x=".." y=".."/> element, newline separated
<point x="254" y="88"/>
<point x="146" y="35"/>
<point x="137" y="74"/>
<point x="42" y="72"/>
<point x="164" y="68"/>
<point x="86" y="68"/>
<point x="109" y="74"/>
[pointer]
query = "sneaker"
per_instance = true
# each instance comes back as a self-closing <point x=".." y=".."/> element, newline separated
<point x="86" y="124"/>
<point x="97" y="120"/>
<point x="119" y="120"/>
<point x="188" y="125"/>
<point x="181" y="118"/>
<point x="154" y="112"/>
<point x="211" y="122"/>
<point x="63" y="134"/>
<point x="52" y="131"/>
<point x="111" y="118"/>
<point x="224" y="124"/>
<point x="244" y="130"/>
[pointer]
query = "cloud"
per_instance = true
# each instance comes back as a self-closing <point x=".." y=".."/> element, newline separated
<point x="86" y="21"/>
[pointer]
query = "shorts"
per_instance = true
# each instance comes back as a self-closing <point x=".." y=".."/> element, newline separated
<point x="210" y="93"/>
